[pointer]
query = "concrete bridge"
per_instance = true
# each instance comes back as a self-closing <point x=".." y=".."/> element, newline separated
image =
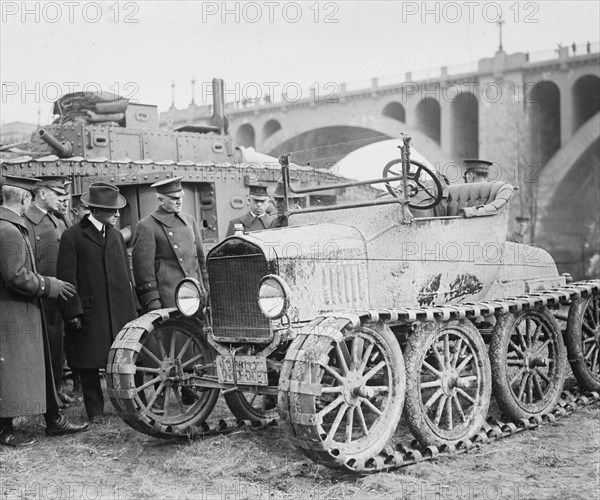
<point x="534" y="115"/>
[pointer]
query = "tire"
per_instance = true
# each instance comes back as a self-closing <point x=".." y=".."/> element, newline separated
<point x="583" y="341"/>
<point x="341" y="393"/>
<point x="448" y="382"/>
<point x="528" y="364"/>
<point x="144" y="376"/>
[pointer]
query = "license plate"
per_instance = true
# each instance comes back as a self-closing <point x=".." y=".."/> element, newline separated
<point x="249" y="370"/>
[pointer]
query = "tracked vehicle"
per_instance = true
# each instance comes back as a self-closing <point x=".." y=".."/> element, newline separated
<point x="354" y="314"/>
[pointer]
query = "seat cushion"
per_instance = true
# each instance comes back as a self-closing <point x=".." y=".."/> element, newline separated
<point x="478" y="198"/>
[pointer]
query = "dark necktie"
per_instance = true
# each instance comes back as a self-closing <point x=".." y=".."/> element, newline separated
<point x="103" y="232"/>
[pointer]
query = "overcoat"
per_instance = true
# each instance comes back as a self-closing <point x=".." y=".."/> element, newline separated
<point x="45" y="230"/>
<point x="22" y="336"/>
<point x="99" y="268"/>
<point x="167" y="247"/>
<point x="250" y="223"/>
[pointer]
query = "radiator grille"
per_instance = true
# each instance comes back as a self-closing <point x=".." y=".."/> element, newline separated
<point x="234" y="283"/>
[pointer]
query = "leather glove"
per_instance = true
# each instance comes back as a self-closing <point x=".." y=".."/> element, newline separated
<point x="153" y="305"/>
<point x="75" y="323"/>
<point x="65" y="290"/>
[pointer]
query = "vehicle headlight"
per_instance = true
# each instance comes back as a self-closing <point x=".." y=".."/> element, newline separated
<point x="190" y="296"/>
<point x="273" y="296"/>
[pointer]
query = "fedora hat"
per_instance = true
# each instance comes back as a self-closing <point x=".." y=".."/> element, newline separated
<point x="103" y="195"/>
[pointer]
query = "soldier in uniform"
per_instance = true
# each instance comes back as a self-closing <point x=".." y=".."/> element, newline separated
<point x="78" y="209"/>
<point x="26" y="380"/>
<point x="477" y="170"/>
<point x="519" y="235"/>
<point x="167" y="247"/>
<point x="257" y="218"/>
<point x="296" y="201"/>
<point x="45" y="229"/>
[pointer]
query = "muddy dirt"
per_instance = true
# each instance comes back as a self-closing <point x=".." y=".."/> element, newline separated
<point x="112" y="461"/>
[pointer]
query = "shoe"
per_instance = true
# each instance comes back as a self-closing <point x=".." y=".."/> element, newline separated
<point x="65" y="398"/>
<point x="62" y="426"/>
<point x="16" y="440"/>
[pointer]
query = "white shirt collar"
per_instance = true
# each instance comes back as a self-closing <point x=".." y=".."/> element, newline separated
<point x="97" y="224"/>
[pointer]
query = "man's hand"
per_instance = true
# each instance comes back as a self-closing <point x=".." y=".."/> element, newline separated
<point x="65" y="289"/>
<point x="153" y="305"/>
<point x="75" y="323"/>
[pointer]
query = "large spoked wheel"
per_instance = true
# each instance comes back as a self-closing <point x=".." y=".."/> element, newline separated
<point x="257" y="408"/>
<point x="150" y="375"/>
<point x="341" y="394"/>
<point x="583" y="341"/>
<point x="424" y="186"/>
<point x="448" y="382"/>
<point x="528" y="358"/>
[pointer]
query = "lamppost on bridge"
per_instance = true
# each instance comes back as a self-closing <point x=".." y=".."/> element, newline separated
<point x="500" y="22"/>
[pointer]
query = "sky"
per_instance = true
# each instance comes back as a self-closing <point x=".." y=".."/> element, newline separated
<point x="137" y="49"/>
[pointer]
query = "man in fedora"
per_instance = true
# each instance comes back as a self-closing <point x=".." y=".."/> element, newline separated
<point x="93" y="257"/>
<point x="295" y="201"/>
<point x="477" y="171"/>
<point x="45" y="229"/>
<point x="167" y="247"/>
<point x="26" y="380"/>
<point x="257" y="218"/>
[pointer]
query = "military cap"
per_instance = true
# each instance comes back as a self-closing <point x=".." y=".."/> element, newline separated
<point x="171" y="187"/>
<point x="27" y="183"/>
<point x="103" y="195"/>
<point x="258" y="191"/>
<point x="55" y="182"/>
<point x="481" y="166"/>
<point x="278" y="191"/>
<point x="522" y="218"/>
<point x="76" y="200"/>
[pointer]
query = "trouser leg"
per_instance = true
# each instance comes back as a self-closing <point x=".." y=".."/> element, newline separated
<point x="54" y="329"/>
<point x="6" y="425"/>
<point x="92" y="391"/>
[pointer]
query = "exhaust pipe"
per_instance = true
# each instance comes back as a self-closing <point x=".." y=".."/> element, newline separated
<point x="218" y="118"/>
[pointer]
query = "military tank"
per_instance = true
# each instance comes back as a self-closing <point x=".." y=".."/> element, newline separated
<point x="356" y="314"/>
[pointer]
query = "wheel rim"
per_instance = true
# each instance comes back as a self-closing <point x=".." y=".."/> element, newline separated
<point x="168" y="358"/>
<point x="532" y="362"/>
<point x="452" y="383"/>
<point x="257" y="406"/>
<point x="590" y="335"/>
<point x="357" y="393"/>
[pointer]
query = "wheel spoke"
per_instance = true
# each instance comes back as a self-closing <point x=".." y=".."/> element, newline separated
<point x="594" y="366"/>
<point x="446" y="351"/>
<point x="149" y="353"/>
<point x="336" y="389"/>
<point x="588" y="329"/>
<point x="349" y="424"/>
<point x="542" y="347"/>
<point x="172" y="346"/>
<point x="159" y="389"/>
<point x="530" y="389"/>
<point x="544" y="377"/>
<point x="440" y="409"/>
<point x="343" y="355"/>
<point x="437" y="373"/>
<point x="522" y="385"/>
<point x="357" y="350"/>
<point x="465" y="395"/>
<point x="433" y="383"/>
<point x="518" y="375"/>
<point x="178" y="398"/>
<point x="516" y="349"/>
<point x="365" y="358"/>
<point x="161" y="347"/>
<point x="332" y="372"/>
<point x="374" y="370"/>
<point x="515" y="362"/>
<point x="361" y="419"/>
<point x="457" y="348"/>
<point x="590" y="352"/>
<point x="536" y="334"/>
<point x="538" y="386"/>
<point x="449" y="413"/>
<point x="436" y="395"/>
<point x="337" y="421"/>
<point x="437" y="355"/>
<point x="184" y="348"/>
<point x="459" y="407"/>
<point x="464" y="363"/>
<point x="192" y="360"/>
<point x="145" y="369"/>
<point x="335" y="403"/>
<point x="371" y="406"/>
<point x="147" y="384"/>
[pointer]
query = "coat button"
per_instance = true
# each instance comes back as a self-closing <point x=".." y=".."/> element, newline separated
<point x="37" y="238"/>
<point x="175" y="246"/>
<point x="170" y="233"/>
<point x="39" y="259"/>
<point x="180" y="259"/>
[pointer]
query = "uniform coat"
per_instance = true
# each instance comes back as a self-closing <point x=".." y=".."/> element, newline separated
<point x="250" y="223"/>
<point x="98" y="267"/>
<point x="45" y="230"/>
<point x="167" y="247"/>
<point x="22" y="336"/>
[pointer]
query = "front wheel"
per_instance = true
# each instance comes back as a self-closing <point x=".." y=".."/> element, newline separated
<point x="583" y="341"/>
<point x="150" y="372"/>
<point x="341" y="392"/>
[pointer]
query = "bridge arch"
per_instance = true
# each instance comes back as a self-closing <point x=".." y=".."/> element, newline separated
<point x="395" y="110"/>
<point x="270" y="127"/>
<point x="569" y="200"/>
<point x="428" y="118"/>
<point x="544" y="113"/>
<point x="465" y="126"/>
<point x="586" y="99"/>
<point x="245" y="136"/>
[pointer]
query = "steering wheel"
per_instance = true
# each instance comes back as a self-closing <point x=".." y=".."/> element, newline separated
<point x="419" y="190"/>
